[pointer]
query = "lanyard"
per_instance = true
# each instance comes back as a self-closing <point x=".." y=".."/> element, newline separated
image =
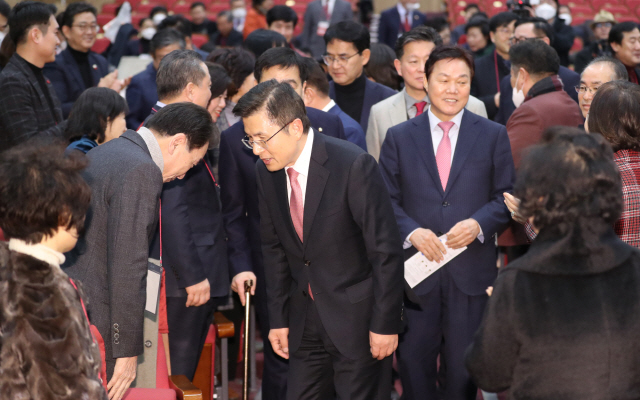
<point x="495" y="63"/>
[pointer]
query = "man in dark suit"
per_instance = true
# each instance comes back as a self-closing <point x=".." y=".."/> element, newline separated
<point x="399" y="19"/>
<point x="226" y="36"/>
<point x="446" y="171"/>
<point x="28" y="103"/>
<point x="77" y="67"/>
<point x="347" y="53"/>
<point x="240" y="206"/>
<point x="624" y="39"/>
<point x="331" y="250"/>
<point x="533" y="28"/>
<point x="126" y="176"/>
<point x="319" y="15"/>
<point x="142" y="92"/>
<point x="490" y="69"/>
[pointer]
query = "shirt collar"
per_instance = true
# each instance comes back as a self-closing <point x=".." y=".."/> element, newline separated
<point x="301" y="165"/>
<point x="39" y="251"/>
<point x="402" y="11"/>
<point x="329" y="106"/>
<point x="434" y="121"/>
<point x="160" y="104"/>
<point x="410" y="101"/>
<point x="153" y="146"/>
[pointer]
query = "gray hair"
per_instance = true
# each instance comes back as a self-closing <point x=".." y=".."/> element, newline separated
<point x="619" y="70"/>
<point x="166" y="37"/>
<point x="177" y="69"/>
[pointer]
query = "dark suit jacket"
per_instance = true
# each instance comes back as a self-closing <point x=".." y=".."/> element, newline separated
<point x="373" y="93"/>
<point x="391" y="26"/>
<point x="569" y="79"/>
<point x="239" y="194"/>
<point x="142" y="94"/>
<point x="562" y="40"/>
<point x="484" y="84"/>
<point x="233" y="40"/>
<point x="24" y="110"/>
<point x="66" y="79"/>
<point x="482" y="171"/>
<point x="314" y="14"/>
<point x="351" y="253"/>
<point x="111" y="257"/>
<point x="352" y="130"/>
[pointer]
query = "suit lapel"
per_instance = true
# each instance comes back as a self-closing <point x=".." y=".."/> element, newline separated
<point x="280" y="183"/>
<point x="398" y="111"/>
<point x="421" y="135"/>
<point x="316" y="182"/>
<point x="21" y="64"/>
<point x="369" y="90"/>
<point x="72" y="67"/>
<point x="467" y="137"/>
<point x="95" y="68"/>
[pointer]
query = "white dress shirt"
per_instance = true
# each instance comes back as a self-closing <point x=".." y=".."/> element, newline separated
<point x="403" y="12"/>
<point x="329" y="106"/>
<point x="332" y="4"/>
<point x="301" y="166"/>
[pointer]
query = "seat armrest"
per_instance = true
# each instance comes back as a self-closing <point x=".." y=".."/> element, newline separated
<point x="224" y="327"/>
<point x="184" y="389"/>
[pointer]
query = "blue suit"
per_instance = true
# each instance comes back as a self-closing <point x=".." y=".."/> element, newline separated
<point x="352" y="129"/>
<point x="239" y="190"/>
<point x="65" y="77"/>
<point x="373" y="93"/>
<point x="569" y="78"/>
<point x="141" y="95"/>
<point x="453" y="298"/>
<point x="391" y="27"/>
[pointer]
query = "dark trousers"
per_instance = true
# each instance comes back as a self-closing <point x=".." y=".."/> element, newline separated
<point x="445" y="325"/>
<point x="188" y="328"/>
<point x="319" y="372"/>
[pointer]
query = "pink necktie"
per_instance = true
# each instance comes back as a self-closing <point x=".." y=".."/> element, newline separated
<point x="443" y="155"/>
<point x="420" y="107"/>
<point x="296" y="208"/>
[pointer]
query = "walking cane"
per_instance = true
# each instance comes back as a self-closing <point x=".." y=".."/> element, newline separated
<point x="247" y="312"/>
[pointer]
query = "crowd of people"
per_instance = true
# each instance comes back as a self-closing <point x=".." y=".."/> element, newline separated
<point x="134" y="207"/>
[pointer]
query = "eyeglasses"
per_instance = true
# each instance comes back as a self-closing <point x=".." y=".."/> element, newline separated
<point x="341" y="60"/>
<point x="516" y="40"/>
<point x="505" y="31"/>
<point x="583" y="89"/>
<point x="262" y="143"/>
<point x="87" y="27"/>
<point x="603" y="25"/>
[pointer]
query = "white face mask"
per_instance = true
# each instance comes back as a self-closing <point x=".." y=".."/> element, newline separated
<point x="545" y="11"/>
<point x="518" y="95"/>
<point x="413" y="6"/>
<point x="158" y="18"/>
<point x="147" y="33"/>
<point x="239" y="12"/>
<point x="567" y="18"/>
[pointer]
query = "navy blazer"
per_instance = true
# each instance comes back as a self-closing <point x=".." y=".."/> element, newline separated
<point x="373" y="93"/>
<point x="239" y="190"/>
<point x="352" y="130"/>
<point x="65" y="77"/>
<point x="391" y="27"/>
<point x="569" y="78"/>
<point x="481" y="172"/>
<point x="141" y="95"/>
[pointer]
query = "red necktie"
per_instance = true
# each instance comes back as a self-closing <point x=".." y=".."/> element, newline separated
<point x="407" y="23"/>
<point x="326" y="10"/>
<point x="296" y="207"/>
<point x="443" y="155"/>
<point x="420" y="107"/>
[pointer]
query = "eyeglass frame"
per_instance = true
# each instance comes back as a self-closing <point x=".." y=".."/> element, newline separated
<point x="587" y="89"/>
<point x="342" y="60"/>
<point x="87" y="27"/>
<point x="250" y="143"/>
<point x="514" y="40"/>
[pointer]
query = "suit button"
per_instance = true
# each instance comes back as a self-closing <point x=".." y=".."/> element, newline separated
<point x="445" y="204"/>
<point x="307" y="263"/>
<point x="148" y="343"/>
<point x="304" y="293"/>
<point x="116" y="326"/>
<point x="116" y="336"/>
<point x="438" y="234"/>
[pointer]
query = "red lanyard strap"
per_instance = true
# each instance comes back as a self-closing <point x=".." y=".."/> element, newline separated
<point x="495" y="63"/>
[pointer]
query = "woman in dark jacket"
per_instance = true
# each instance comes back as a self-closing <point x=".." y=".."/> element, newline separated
<point x="563" y="321"/>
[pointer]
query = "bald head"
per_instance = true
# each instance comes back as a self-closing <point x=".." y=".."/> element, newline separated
<point x="599" y="71"/>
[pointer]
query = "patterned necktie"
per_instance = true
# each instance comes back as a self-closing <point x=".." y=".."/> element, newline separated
<point x="296" y="207"/>
<point x="443" y="155"/>
<point x="420" y="107"/>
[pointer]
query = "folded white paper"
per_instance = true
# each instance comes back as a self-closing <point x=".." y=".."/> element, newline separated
<point x="418" y="268"/>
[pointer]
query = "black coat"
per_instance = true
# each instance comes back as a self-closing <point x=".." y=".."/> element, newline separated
<point x="561" y="324"/>
<point x="484" y="84"/>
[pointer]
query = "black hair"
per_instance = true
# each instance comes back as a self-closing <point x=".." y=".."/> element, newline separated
<point x="437" y="23"/>
<point x="380" y="67"/>
<point x="282" y="104"/>
<point x="220" y="79"/>
<point x="615" y="114"/>
<point x="317" y="77"/>
<point x="166" y="37"/>
<point x="417" y="34"/>
<point x="501" y="19"/>
<point x="74" y="9"/>
<point x="540" y="26"/>
<point x="197" y="4"/>
<point x="5" y="9"/>
<point x="25" y="15"/>
<point x="589" y="187"/>
<point x="41" y="190"/>
<point x="480" y="23"/>
<point x="142" y="21"/>
<point x="469" y="6"/>
<point x="239" y="64"/>
<point x="91" y="113"/>
<point x="282" y="13"/>
<point x="349" y="31"/>
<point x="158" y="9"/>
<point x="179" y="22"/>
<point x="616" y="34"/>
<point x="262" y="40"/>
<point x="256" y="3"/>
<point x="281" y="57"/>
<point x="447" y="52"/>
<point x="184" y="117"/>
<point x="176" y="70"/>
<point x="619" y="70"/>
<point x="226" y="14"/>
<point x="535" y="56"/>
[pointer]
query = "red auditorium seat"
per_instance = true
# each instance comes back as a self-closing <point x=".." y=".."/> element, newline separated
<point x="136" y="18"/>
<point x="299" y="8"/>
<point x="216" y="8"/>
<point x="100" y="45"/>
<point x="109" y="8"/>
<point x="134" y="3"/>
<point x="146" y="8"/>
<point x="579" y="20"/>
<point x="574" y="3"/>
<point x="180" y="8"/>
<point x="102" y="19"/>
<point x="582" y="10"/>
<point x="632" y="4"/>
<point x="619" y="9"/>
<point x="199" y="40"/>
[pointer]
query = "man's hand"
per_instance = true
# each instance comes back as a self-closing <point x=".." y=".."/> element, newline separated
<point x="237" y="284"/>
<point x="496" y="99"/>
<point x="463" y="233"/>
<point x="123" y="374"/>
<point x="111" y="81"/>
<point x="428" y="244"/>
<point x="382" y="346"/>
<point x="513" y="204"/>
<point x="279" y="339"/>
<point x="198" y="294"/>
